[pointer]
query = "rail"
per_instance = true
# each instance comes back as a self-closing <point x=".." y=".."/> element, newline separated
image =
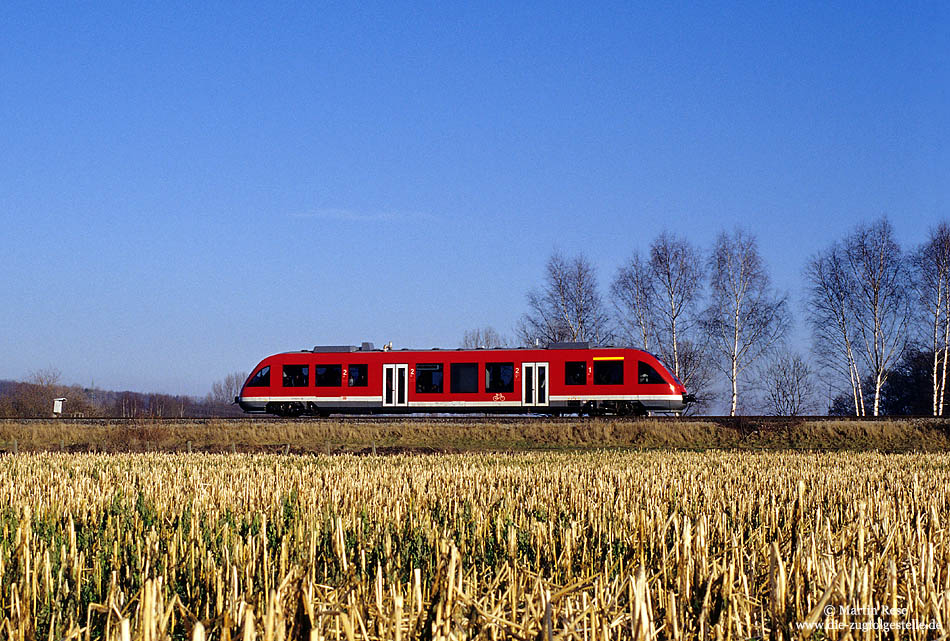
<point x="726" y="421"/>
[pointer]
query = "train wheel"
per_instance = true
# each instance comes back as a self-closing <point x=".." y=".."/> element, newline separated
<point x="294" y="410"/>
<point x="286" y="410"/>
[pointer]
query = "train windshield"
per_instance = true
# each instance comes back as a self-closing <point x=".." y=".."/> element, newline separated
<point x="261" y="379"/>
<point x="647" y="375"/>
<point x="675" y="378"/>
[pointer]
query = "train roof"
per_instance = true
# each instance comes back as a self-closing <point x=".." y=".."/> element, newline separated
<point x="369" y="347"/>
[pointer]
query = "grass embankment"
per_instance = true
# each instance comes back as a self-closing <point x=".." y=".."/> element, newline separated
<point x="337" y="436"/>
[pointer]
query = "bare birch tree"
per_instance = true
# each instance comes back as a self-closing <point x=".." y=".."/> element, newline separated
<point x="633" y="294"/>
<point x="831" y="314"/>
<point x="931" y="265"/>
<point x="881" y="298"/>
<point x="657" y="306"/>
<point x="678" y="272"/>
<point x="745" y="318"/>
<point x="568" y="307"/>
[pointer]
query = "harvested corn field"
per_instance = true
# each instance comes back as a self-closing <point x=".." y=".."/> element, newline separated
<point x="593" y="545"/>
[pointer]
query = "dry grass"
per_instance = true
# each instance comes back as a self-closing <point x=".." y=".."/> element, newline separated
<point x="320" y="436"/>
<point x="593" y="545"/>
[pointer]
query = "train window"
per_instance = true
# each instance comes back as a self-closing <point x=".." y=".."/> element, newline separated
<point x="575" y="373"/>
<point x="296" y="375"/>
<point x="329" y="375"/>
<point x="261" y="379"/>
<point x="429" y="378"/>
<point x="499" y="377"/>
<point x="647" y="375"/>
<point x="359" y="375"/>
<point x="464" y="378"/>
<point x="608" y="372"/>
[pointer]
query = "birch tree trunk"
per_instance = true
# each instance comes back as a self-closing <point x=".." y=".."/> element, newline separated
<point x="746" y="317"/>
<point x="931" y="265"/>
<point x="832" y="317"/>
<point x="881" y="298"/>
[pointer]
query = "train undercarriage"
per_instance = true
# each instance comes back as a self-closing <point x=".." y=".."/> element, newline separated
<point x="295" y="409"/>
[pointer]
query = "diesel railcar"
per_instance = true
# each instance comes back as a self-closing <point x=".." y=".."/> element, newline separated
<point x="562" y="378"/>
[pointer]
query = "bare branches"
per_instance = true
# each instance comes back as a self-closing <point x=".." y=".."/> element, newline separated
<point x="46" y="377"/>
<point x="677" y="269"/>
<point x="881" y="300"/>
<point x="480" y="337"/>
<point x="568" y="307"/>
<point x="745" y="317"/>
<point x="931" y="267"/>
<point x="224" y="391"/>
<point x="830" y="312"/>
<point x="634" y="299"/>
<point x="859" y="307"/>
<point x="787" y="385"/>
<point x="657" y="306"/>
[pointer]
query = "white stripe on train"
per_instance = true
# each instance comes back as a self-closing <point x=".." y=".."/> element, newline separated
<point x="425" y="403"/>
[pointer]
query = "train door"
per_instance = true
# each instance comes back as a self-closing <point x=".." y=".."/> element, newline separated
<point x="394" y="384"/>
<point x="534" y="384"/>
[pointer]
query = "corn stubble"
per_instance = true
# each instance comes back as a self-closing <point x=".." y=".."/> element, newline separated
<point x="585" y="546"/>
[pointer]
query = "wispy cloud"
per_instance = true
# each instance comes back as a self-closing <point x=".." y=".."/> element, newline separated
<point x="351" y="216"/>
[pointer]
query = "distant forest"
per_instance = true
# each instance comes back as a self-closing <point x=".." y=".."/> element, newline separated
<point x="35" y="399"/>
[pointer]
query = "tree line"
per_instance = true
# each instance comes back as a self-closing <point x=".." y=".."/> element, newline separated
<point x="875" y="310"/>
<point x="34" y="398"/>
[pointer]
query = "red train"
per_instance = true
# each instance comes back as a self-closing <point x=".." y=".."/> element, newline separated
<point x="564" y="378"/>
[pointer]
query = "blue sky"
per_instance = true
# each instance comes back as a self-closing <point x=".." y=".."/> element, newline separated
<point x="185" y="189"/>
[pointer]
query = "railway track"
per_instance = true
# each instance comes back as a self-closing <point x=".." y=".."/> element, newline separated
<point x="724" y="421"/>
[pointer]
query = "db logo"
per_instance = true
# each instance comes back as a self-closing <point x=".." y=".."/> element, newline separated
<point x="498" y="397"/>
